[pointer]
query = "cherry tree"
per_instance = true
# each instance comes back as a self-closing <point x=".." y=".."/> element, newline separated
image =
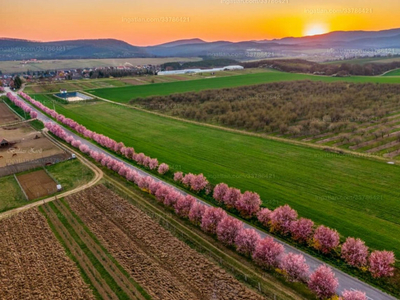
<point x="264" y="216"/>
<point x="353" y="295"/>
<point x="326" y="239"/>
<point x="155" y="186"/>
<point x="178" y="176"/>
<point x="228" y="229"/>
<point x="267" y="253"/>
<point x="246" y="241"/>
<point x="302" y="230"/>
<point x="323" y="282"/>
<point x="34" y="114"/>
<point x="231" y="197"/>
<point x="199" y="182"/>
<point x="172" y="197"/>
<point x="248" y="204"/>
<point x="381" y="264"/>
<point x="295" y="267"/>
<point x="355" y="252"/>
<point x="183" y="205"/>
<point x="282" y="218"/>
<point x="196" y="213"/>
<point x="211" y="218"/>
<point x="188" y="179"/>
<point x="153" y="164"/>
<point x="162" y="193"/>
<point x="84" y="148"/>
<point x="163" y="168"/>
<point x="219" y="192"/>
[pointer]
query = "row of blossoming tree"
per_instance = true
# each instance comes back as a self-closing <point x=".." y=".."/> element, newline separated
<point x="265" y="252"/>
<point x="282" y="220"/>
<point x="22" y="105"/>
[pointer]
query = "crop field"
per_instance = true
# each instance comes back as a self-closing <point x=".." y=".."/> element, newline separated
<point x="393" y="73"/>
<point x="17" y="66"/>
<point x="37" y="184"/>
<point x="125" y="94"/>
<point x="33" y="263"/>
<point x="352" y="194"/>
<point x="164" y="266"/>
<point x="85" y="84"/>
<point x="6" y="115"/>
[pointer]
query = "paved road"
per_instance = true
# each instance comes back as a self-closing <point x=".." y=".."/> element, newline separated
<point x="346" y="282"/>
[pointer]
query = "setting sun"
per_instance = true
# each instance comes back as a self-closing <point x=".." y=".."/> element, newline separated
<point x="315" y="29"/>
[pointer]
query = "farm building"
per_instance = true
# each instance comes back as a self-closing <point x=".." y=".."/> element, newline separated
<point x="4" y="143"/>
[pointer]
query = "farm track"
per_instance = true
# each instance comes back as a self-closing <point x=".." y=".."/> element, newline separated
<point x="101" y="256"/>
<point x="33" y="265"/>
<point x="83" y="261"/>
<point x="269" y="284"/>
<point x="165" y="266"/>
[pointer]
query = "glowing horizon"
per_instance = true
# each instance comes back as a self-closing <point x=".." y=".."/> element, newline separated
<point x="159" y="21"/>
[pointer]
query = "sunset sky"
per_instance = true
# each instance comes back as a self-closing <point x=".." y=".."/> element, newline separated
<point x="48" y="20"/>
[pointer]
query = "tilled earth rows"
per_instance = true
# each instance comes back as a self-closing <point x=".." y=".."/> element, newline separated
<point x="166" y="267"/>
<point x="33" y="265"/>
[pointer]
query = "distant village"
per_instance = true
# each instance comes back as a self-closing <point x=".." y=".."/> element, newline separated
<point x="127" y="69"/>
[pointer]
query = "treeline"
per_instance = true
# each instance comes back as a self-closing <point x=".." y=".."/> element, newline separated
<point x="294" y="108"/>
<point x="304" y="66"/>
<point x="207" y="63"/>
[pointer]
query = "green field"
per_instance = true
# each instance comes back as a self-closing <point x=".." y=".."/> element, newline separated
<point x="11" y="195"/>
<point x="124" y="94"/>
<point x="393" y="73"/>
<point x="352" y="194"/>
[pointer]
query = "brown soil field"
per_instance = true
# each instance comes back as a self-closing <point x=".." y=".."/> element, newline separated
<point x="27" y="147"/>
<point x="6" y="115"/>
<point x="164" y="266"/>
<point x="37" y="184"/>
<point x="33" y="265"/>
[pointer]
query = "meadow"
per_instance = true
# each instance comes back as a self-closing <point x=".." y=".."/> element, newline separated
<point x="352" y="194"/>
<point x="393" y="73"/>
<point x="127" y="93"/>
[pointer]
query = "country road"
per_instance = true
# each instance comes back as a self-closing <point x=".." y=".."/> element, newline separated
<point x="346" y="282"/>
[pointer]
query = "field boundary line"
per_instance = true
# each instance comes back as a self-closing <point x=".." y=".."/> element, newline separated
<point x="231" y="130"/>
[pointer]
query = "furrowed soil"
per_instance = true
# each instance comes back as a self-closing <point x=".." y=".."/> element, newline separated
<point x="164" y="266"/>
<point x="33" y="265"/>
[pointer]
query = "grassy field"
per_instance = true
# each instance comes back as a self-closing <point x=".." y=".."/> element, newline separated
<point x="124" y="94"/>
<point x="84" y="84"/>
<point x="352" y="194"/>
<point x="70" y="174"/>
<point x="393" y="73"/>
<point x="11" y="194"/>
<point x="16" y="66"/>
